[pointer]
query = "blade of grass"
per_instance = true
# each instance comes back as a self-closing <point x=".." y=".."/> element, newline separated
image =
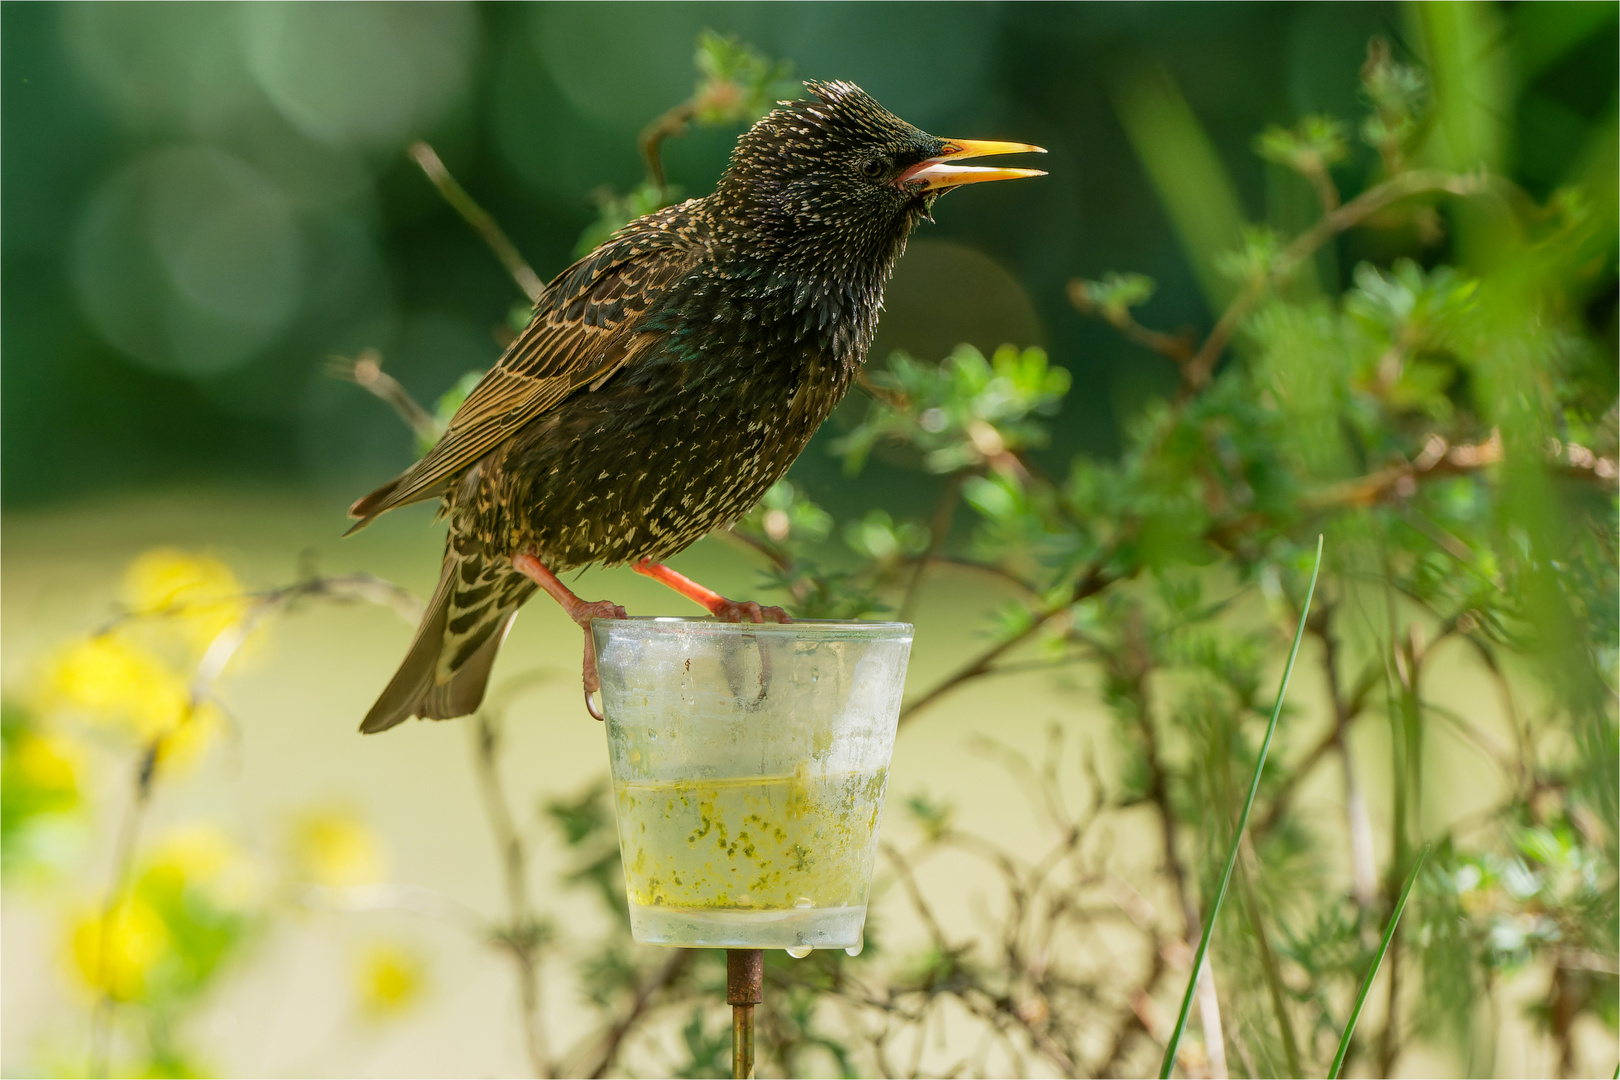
<point x="1378" y="959"/>
<point x="1237" y="834"/>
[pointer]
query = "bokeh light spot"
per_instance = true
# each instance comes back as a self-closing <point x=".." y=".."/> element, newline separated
<point x="945" y="293"/>
<point x="189" y="260"/>
<point x="366" y="75"/>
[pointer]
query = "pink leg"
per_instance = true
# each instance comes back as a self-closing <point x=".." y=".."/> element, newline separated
<point x="721" y="608"/>
<point x="581" y="611"/>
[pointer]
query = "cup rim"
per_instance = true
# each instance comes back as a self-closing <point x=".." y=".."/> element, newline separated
<point x="652" y="622"/>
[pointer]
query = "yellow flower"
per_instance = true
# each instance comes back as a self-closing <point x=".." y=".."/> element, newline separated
<point x="114" y="953"/>
<point x="202" y="856"/>
<point x="47" y="765"/>
<point x="334" y="848"/>
<point x="198" y="590"/>
<point x="114" y="682"/>
<point x="389" y="979"/>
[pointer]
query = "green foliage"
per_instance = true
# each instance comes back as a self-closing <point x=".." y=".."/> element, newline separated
<point x="736" y="84"/>
<point x="1397" y="93"/>
<point x="707" y="1053"/>
<point x="962" y="412"/>
<point x="586" y="823"/>
<point x="1236" y="841"/>
<point x="1372" y="969"/>
<point x="1114" y="296"/>
<point x="40" y="793"/>
<point x="1312" y="145"/>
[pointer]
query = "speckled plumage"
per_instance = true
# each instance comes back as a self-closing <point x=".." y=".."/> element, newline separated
<point x="666" y="380"/>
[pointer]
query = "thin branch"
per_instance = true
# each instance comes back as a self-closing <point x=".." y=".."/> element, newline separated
<point x="523" y="935"/>
<point x="672" y="123"/>
<point x="129" y="831"/>
<point x="615" y="1035"/>
<point x="1094" y="580"/>
<point x="366" y="372"/>
<point x="894" y="399"/>
<point x="778" y="558"/>
<point x="1437" y="458"/>
<point x="1178" y="348"/>
<point x="902" y="870"/>
<point x="1198" y="370"/>
<point x="480" y="220"/>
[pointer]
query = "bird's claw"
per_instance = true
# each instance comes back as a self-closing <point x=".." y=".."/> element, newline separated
<point x="583" y="613"/>
<point x="747" y="610"/>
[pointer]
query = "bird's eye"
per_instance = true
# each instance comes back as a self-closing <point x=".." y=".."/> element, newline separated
<point x="872" y="168"/>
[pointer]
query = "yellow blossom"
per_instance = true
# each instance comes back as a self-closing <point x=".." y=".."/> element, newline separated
<point x="199" y="591"/>
<point x="334" y="848"/>
<point x="112" y="681"/>
<point x="48" y="765"/>
<point x="115" y="682"/>
<point x="115" y="953"/>
<point x="389" y="979"/>
<point x="200" y="853"/>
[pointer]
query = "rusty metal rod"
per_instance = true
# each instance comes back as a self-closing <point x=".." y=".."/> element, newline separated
<point x="745" y="988"/>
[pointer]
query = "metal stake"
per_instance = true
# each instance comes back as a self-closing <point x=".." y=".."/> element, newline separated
<point x="745" y="988"/>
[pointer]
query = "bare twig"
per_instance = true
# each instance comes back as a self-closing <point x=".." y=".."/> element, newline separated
<point x="1179" y="348"/>
<point x="609" y="1042"/>
<point x="673" y="122"/>
<point x="523" y="935"/>
<point x="894" y="399"/>
<point x="129" y="830"/>
<point x="1096" y="578"/>
<point x="480" y="220"/>
<point x="366" y="372"/>
<point x="1436" y="458"/>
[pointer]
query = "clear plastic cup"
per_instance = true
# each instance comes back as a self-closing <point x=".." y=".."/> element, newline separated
<point x="749" y="766"/>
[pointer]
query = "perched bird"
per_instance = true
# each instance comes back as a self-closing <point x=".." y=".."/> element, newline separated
<point x="666" y="381"/>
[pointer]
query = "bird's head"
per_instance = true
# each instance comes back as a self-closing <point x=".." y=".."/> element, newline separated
<point x="837" y="179"/>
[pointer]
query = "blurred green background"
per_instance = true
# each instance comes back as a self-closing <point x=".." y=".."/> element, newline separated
<point x="203" y="202"/>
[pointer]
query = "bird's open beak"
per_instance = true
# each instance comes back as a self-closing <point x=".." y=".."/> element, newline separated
<point x="937" y="174"/>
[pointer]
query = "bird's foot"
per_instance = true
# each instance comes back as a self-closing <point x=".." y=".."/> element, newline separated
<point x="747" y="610"/>
<point x="721" y="608"/>
<point x="581" y="611"/>
<point x="597" y="609"/>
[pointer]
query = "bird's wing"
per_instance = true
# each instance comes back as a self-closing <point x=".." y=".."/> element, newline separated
<point x="584" y="330"/>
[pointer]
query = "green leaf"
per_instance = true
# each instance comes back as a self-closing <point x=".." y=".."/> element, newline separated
<point x="1114" y="296"/>
<point x="1308" y="148"/>
<point x="1372" y="970"/>
<point x="1237" y="834"/>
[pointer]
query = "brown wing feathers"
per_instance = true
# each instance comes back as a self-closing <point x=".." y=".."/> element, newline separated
<point x="582" y="332"/>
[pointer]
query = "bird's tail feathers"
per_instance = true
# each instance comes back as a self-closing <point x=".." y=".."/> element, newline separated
<point x="402" y="490"/>
<point x="446" y="671"/>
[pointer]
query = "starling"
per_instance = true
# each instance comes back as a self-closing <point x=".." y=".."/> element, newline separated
<point x="667" y="380"/>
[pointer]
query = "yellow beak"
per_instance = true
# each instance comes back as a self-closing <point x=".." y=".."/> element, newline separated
<point x="936" y="174"/>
